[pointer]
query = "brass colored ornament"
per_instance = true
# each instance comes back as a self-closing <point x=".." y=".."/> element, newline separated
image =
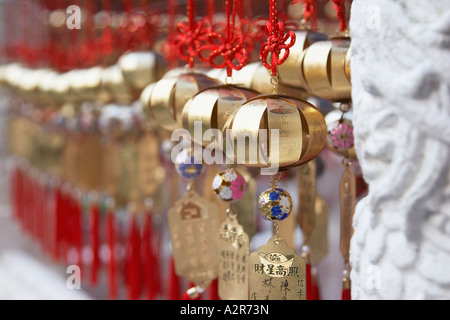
<point x="128" y="189"/>
<point x="290" y="72"/>
<point x="115" y="87"/>
<point x="212" y="108"/>
<point x="318" y="241"/>
<point x="141" y="68"/>
<point x="85" y="83"/>
<point x="347" y="195"/>
<point x="194" y="222"/>
<point x="151" y="174"/>
<point x="277" y="273"/>
<point x="300" y="127"/>
<point x="256" y="77"/>
<point x="307" y="199"/>
<point x="89" y="163"/>
<point x="326" y="69"/>
<point x="233" y="260"/>
<point x="169" y="95"/>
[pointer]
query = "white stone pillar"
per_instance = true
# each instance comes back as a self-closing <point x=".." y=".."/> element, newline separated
<point x="401" y="96"/>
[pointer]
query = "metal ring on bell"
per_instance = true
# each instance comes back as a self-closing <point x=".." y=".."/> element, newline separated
<point x="300" y="135"/>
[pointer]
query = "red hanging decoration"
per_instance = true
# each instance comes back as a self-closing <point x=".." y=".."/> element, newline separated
<point x="189" y="37"/>
<point x="169" y="48"/>
<point x="112" y="267"/>
<point x="230" y="49"/>
<point x="173" y="290"/>
<point x="134" y="260"/>
<point x="339" y="6"/>
<point x="214" y="290"/>
<point x="309" y="283"/>
<point x="309" y="11"/>
<point x="316" y="289"/>
<point x="278" y="42"/>
<point x="150" y="260"/>
<point x="346" y="294"/>
<point x="95" y="242"/>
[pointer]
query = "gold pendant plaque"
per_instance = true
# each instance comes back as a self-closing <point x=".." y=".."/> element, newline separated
<point x="347" y="192"/>
<point x="194" y="223"/>
<point x="318" y="242"/>
<point x="277" y="273"/>
<point x="307" y="195"/>
<point x="233" y="261"/>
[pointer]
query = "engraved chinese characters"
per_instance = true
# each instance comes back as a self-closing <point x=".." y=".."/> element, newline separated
<point x="233" y="260"/>
<point x="193" y="223"/>
<point x="277" y="273"/>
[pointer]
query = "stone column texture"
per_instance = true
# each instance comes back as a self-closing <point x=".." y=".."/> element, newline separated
<point x="400" y="68"/>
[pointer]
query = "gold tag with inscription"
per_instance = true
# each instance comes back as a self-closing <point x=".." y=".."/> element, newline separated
<point x="277" y="273"/>
<point x="307" y="195"/>
<point x="318" y="241"/>
<point x="194" y="223"/>
<point x="233" y="260"/>
<point x="347" y="193"/>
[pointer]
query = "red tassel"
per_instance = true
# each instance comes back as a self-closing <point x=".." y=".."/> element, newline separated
<point x="55" y="241"/>
<point x="316" y="289"/>
<point x="156" y="249"/>
<point x="214" y="290"/>
<point x="309" y="283"/>
<point x="134" y="261"/>
<point x="173" y="292"/>
<point x="112" y="268"/>
<point x="150" y="261"/>
<point x="78" y="230"/>
<point x="95" y="243"/>
<point x="346" y="294"/>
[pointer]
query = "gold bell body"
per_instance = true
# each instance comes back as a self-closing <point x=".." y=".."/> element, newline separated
<point x="326" y="69"/>
<point x="213" y="107"/>
<point x="167" y="97"/>
<point x="282" y="131"/>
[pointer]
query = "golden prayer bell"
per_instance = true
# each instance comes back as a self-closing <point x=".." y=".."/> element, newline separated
<point x="212" y="107"/>
<point x="326" y="69"/>
<point x="167" y="97"/>
<point x="115" y="87"/>
<point x="281" y="131"/>
<point x="142" y="68"/>
<point x="257" y="77"/>
<point x="290" y="72"/>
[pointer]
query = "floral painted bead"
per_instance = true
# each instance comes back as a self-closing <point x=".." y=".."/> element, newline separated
<point x="340" y="135"/>
<point x="229" y="185"/>
<point x="275" y="204"/>
<point x="186" y="166"/>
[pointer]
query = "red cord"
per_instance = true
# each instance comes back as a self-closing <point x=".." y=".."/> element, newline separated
<point x="134" y="260"/>
<point x="346" y="294"/>
<point x="112" y="268"/>
<point x="227" y="51"/>
<point x="309" y="11"/>
<point x="278" y="42"/>
<point x="173" y="292"/>
<point x="339" y="6"/>
<point x="189" y="37"/>
<point x="95" y="242"/>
